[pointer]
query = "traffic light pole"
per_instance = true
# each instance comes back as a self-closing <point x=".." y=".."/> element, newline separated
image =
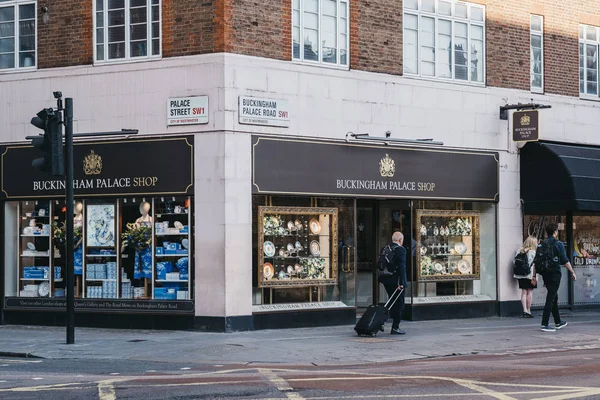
<point x="68" y="122"/>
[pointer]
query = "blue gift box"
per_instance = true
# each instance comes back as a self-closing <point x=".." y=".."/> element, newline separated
<point x="162" y="268"/>
<point x="159" y="250"/>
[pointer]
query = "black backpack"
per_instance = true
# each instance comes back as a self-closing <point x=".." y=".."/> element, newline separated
<point x="544" y="260"/>
<point x="386" y="260"/>
<point x="521" y="265"/>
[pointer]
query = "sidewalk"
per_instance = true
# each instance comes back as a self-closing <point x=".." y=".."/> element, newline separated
<point x="306" y="346"/>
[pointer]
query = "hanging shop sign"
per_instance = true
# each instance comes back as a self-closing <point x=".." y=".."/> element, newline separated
<point x="101" y="305"/>
<point x="125" y="167"/>
<point x="526" y="126"/>
<point x="294" y="166"/>
<point x="268" y="112"/>
<point x="187" y="111"/>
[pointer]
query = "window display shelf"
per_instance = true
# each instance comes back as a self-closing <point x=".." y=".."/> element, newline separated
<point x="311" y="231"/>
<point x="183" y="214"/>
<point x="172" y="234"/>
<point x="100" y="280"/>
<point x="37" y="279"/>
<point x="47" y="236"/>
<point x="173" y="280"/>
<point x="456" y="234"/>
<point x="36" y="255"/>
<point x="101" y="255"/>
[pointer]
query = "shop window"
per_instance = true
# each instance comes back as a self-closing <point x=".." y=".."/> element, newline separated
<point x="444" y="40"/>
<point x="320" y="31"/>
<point x="537" y="53"/>
<point x="127" y="29"/>
<point x="455" y="255"/>
<point x="589" y="39"/>
<point x="304" y="253"/>
<point x="586" y="257"/>
<point x="17" y="35"/>
<point x="130" y="248"/>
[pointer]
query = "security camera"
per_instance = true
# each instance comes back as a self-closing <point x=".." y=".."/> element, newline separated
<point x="388" y="134"/>
<point x="57" y="95"/>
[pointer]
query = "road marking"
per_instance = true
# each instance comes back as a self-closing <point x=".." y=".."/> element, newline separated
<point x="106" y="390"/>
<point x="4" y="365"/>
<point x="184" y="368"/>
<point x="281" y="384"/>
<point x="115" y="373"/>
<point x="37" y="379"/>
<point x="2" y="381"/>
<point x="151" y="370"/>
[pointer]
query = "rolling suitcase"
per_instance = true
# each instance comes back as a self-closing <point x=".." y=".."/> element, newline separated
<point x="374" y="318"/>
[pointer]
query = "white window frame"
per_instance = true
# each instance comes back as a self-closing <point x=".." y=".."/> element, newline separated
<point x="16" y="51"/>
<point x="127" y="58"/>
<point x="419" y="13"/>
<point x="540" y="34"/>
<point x="320" y="62"/>
<point x="585" y="42"/>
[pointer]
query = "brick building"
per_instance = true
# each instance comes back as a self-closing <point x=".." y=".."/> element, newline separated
<point x="273" y="101"/>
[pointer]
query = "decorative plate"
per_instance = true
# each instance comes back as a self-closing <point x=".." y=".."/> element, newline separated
<point x="291" y="225"/>
<point x="186" y="244"/>
<point x="290" y="270"/>
<point x="460" y="248"/>
<point x="298" y="246"/>
<point x="269" y="249"/>
<point x="298" y="268"/>
<point x="290" y="248"/>
<point x="31" y="246"/>
<point x="268" y="270"/>
<point x="44" y="289"/>
<point x="464" y="267"/>
<point x="281" y="253"/>
<point x="282" y="275"/>
<point x="438" y="267"/>
<point x="178" y="225"/>
<point x="315" y="248"/>
<point x="315" y="226"/>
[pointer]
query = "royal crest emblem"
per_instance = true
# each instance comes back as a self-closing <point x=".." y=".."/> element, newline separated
<point x="525" y="120"/>
<point x="92" y="164"/>
<point x="387" y="167"/>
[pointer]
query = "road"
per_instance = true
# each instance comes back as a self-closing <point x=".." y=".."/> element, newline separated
<point x="526" y="374"/>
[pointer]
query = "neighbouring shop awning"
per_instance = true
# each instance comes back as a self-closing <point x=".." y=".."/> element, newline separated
<point x="558" y="177"/>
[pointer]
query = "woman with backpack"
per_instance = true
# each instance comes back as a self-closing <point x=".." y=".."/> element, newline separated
<point x="524" y="272"/>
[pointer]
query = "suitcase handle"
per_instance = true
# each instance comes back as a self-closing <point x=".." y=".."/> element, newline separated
<point x="395" y="297"/>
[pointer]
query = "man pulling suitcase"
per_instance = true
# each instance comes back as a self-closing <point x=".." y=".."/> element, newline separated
<point x="392" y="266"/>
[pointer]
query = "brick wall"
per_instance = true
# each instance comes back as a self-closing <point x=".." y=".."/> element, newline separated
<point x="259" y="28"/>
<point x="376" y="42"/>
<point x="189" y="27"/>
<point x="66" y="38"/>
<point x="262" y="28"/>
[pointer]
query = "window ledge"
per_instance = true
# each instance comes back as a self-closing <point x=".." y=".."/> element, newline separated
<point x="322" y="65"/>
<point x="537" y="90"/>
<point x="588" y="97"/>
<point x="17" y="70"/>
<point x="442" y="80"/>
<point x="127" y="61"/>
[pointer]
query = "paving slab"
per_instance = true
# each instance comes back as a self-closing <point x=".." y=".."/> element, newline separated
<point x="311" y="346"/>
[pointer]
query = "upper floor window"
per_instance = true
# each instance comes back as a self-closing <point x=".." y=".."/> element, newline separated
<point x="444" y="39"/>
<point x="127" y="29"/>
<point x="17" y="34"/>
<point x="320" y="31"/>
<point x="588" y="60"/>
<point x="537" y="53"/>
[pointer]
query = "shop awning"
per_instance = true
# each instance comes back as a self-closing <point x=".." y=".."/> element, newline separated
<point x="558" y="177"/>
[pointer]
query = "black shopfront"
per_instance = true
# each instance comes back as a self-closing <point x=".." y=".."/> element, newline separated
<point x="560" y="183"/>
<point x="322" y="210"/>
<point x="134" y="224"/>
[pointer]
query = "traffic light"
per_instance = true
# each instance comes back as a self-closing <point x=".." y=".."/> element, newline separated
<point x="50" y="143"/>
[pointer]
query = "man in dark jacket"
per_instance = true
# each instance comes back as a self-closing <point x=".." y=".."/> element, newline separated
<point x="396" y="281"/>
<point x="552" y="280"/>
